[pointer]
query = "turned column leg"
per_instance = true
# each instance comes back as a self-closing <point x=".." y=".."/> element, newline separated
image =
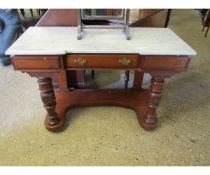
<point x="150" y="121"/>
<point x="48" y="98"/>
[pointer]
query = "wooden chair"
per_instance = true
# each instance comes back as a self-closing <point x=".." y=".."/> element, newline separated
<point x="39" y="12"/>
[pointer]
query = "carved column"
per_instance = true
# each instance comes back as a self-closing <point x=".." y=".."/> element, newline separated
<point x="150" y="119"/>
<point x="48" y="98"/>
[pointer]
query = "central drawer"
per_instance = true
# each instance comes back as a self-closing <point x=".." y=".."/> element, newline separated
<point x="102" y="61"/>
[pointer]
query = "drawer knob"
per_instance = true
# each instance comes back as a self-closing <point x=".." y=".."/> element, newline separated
<point x="124" y="61"/>
<point x="80" y="61"/>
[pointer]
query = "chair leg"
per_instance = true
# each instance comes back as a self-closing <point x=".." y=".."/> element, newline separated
<point x="32" y="13"/>
<point x="39" y="11"/>
<point x="207" y="31"/>
<point x="22" y="13"/>
<point x="168" y="17"/>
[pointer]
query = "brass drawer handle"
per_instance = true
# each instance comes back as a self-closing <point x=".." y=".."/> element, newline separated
<point x="80" y="61"/>
<point x="124" y="61"/>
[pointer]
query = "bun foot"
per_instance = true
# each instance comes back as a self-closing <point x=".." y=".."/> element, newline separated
<point x="141" y="116"/>
<point x="146" y="125"/>
<point x="54" y="127"/>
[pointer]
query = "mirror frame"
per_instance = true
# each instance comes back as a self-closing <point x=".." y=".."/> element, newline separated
<point x="101" y="17"/>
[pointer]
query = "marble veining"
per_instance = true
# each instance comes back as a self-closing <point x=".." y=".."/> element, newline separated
<point x="62" y="40"/>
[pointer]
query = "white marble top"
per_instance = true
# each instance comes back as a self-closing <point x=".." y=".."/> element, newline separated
<point x="62" y="40"/>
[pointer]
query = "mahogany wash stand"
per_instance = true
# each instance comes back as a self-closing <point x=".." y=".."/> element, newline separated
<point x="49" y="53"/>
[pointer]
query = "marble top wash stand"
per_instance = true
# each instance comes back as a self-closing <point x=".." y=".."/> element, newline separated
<point x="48" y="53"/>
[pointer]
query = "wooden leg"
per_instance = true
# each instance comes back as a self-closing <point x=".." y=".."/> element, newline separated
<point x="138" y="79"/>
<point x="48" y="98"/>
<point x="22" y="13"/>
<point x="38" y="11"/>
<point x="49" y="84"/>
<point x="76" y="78"/>
<point x="32" y="13"/>
<point x="150" y="121"/>
<point x="207" y="31"/>
<point x="168" y="17"/>
<point x="126" y="79"/>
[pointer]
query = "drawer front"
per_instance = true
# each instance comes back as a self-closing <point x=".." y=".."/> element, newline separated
<point x="165" y="62"/>
<point x="100" y="61"/>
<point x="36" y="62"/>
